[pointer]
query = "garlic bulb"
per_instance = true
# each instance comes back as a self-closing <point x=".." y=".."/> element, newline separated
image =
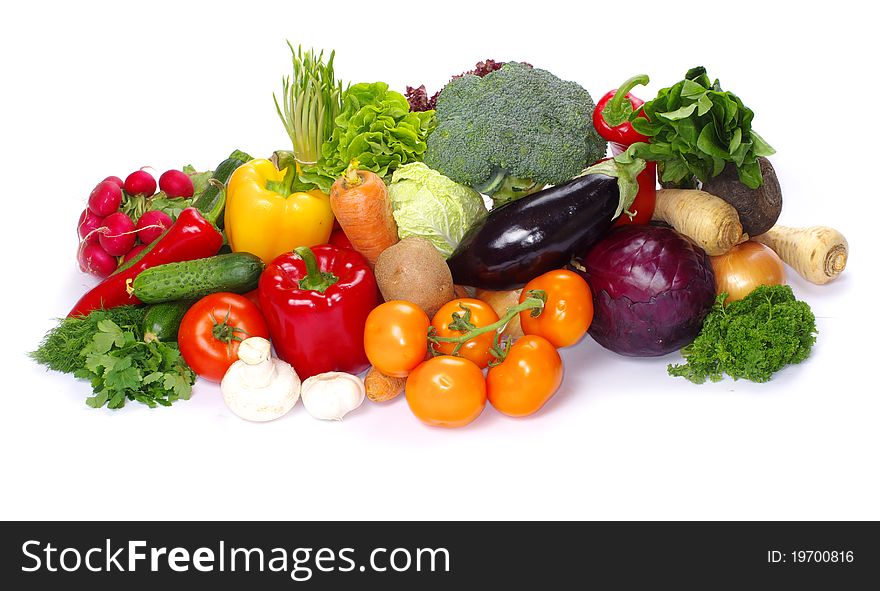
<point x="332" y="395"/>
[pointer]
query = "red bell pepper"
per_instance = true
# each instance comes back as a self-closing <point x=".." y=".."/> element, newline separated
<point x="340" y="239"/>
<point x="316" y="302"/>
<point x="642" y="207"/>
<point x="190" y="237"/>
<point x="612" y="113"/>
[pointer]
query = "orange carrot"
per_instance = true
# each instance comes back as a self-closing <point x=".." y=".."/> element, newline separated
<point x="360" y="203"/>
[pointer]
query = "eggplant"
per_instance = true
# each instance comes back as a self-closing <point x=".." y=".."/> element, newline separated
<point x="525" y="238"/>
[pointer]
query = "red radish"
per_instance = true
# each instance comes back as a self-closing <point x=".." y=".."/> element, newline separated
<point x="140" y="182"/>
<point x="105" y="198"/>
<point x="115" y="180"/>
<point x="151" y="225"/>
<point x="133" y="252"/>
<point x="95" y="260"/>
<point x="119" y="236"/>
<point x="88" y="223"/>
<point x="176" y="183"/>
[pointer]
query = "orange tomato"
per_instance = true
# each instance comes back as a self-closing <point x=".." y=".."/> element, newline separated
<point x="568" y="312"/>
<point x="482" y="314"/>
<point x="446" y="391"/>
<point x="396" y="337"/>
<point x="527" y="378"/>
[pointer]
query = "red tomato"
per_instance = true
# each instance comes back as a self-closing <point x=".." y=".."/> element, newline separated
<point x="212" y="329"/>
<point x="527" y="378"/>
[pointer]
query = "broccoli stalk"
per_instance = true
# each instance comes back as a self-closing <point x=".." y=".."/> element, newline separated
<point x="513" y="131"/>
<point x="503" y="187"/>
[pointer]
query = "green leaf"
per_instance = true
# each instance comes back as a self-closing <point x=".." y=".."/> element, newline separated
<point x="199" y="179"/>
<point x="692" y="90"/>
<point x="98" y="400"/>
<point x="704" y="105"/>
<point x="180" y="385"/>
<point x="735" y="141"/>
<point x="123" y="379"/>
<point x="108" y="334"/>
<point x="761" y="148"/>
<point x="117" y="401"/>
<point x="750" y="175"/>
<point x="708" y="142"/>
<point x="152" y="377"/>
<point x="681" y="113"/>
<point x="99" y="363"/>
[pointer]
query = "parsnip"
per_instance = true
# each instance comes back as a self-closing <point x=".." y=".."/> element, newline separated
<point x="706" y="219"/>
<point x="817" y="253"/>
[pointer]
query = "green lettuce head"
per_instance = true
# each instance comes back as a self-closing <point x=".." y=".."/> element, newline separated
<point x="432" y="206"/>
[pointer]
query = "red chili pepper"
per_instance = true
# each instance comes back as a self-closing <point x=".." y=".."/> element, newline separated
<point x="316" y="302"/>
<point x="611" y="116"/>
<point x="190" y="237"/>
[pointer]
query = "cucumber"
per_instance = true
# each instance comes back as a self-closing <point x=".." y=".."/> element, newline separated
<point x="212" y="200"/>
<point x="162" y="321"/>
<point x="238" y="272"/>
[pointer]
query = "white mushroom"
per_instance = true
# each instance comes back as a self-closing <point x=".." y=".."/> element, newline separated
<point x="259" y="387"/>
<point x="332" y="395"/>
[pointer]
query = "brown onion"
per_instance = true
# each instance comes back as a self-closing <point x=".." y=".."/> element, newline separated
<point x="745" y="267"/>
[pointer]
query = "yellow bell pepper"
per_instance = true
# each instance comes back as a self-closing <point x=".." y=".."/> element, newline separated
<point x="264" y="218"/>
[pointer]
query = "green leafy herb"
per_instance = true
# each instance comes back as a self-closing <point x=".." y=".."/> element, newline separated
<point x="107" y="348"/>
<point x="199" y="179"/>
<point x="695" y="129"/>
<point x="169" y="205"/>
<point x="61" y="347"/>
<point x="377" y="129"/>
<point x="751" y="338"/>
<point x="122" y="367"/>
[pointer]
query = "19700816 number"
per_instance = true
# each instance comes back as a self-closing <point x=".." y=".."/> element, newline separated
<point x="823" y="556"/>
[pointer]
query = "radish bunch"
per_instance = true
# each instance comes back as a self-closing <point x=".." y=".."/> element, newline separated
<point x="118" y="224"/>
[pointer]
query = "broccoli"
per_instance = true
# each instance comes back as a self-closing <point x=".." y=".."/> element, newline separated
<point x="513" y="131"/>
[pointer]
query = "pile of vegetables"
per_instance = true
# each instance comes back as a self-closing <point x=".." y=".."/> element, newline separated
<point x="445" y="247"/>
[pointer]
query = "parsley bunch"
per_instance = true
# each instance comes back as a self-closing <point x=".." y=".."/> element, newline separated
<point x="751" y="338"/>
<point x="122" y="367"/>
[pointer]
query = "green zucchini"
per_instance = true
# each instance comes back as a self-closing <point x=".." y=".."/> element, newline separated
<point x="162" y="321"/>
<point x="238" y="272"/>
<point x="212" y="201"/>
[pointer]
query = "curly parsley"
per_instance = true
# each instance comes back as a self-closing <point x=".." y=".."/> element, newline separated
<point x="752" y="338"/>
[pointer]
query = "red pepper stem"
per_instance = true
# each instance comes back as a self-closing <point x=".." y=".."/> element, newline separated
<point x="534" y="301"/>
<point x="315" y="279"/>
<point x="623" y="89"/>
<point x="615" y="113"/>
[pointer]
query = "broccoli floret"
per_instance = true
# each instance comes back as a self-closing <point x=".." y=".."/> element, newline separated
<point x="513" y="131"/>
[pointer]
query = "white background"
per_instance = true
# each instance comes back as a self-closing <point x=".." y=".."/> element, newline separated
<point x="91" y="90"/>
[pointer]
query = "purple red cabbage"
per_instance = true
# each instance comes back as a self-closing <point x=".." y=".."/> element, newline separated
<point x="652" y="288"/>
